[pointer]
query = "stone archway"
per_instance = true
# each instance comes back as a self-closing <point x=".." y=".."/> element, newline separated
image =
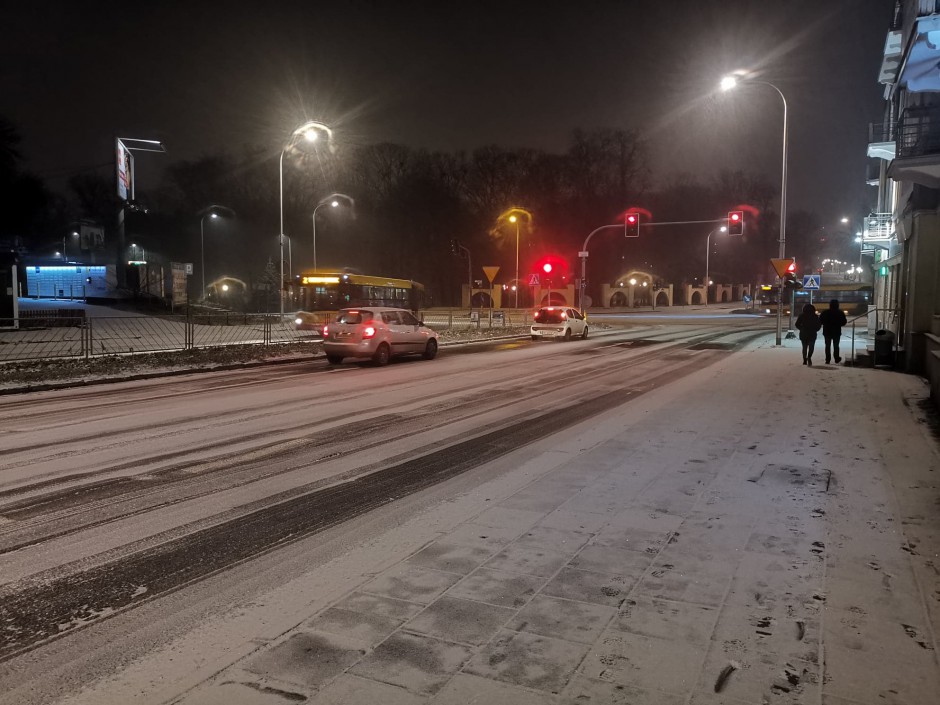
<point x="481" y="299"/>
<point x="553" y="298"/>
<point x="725" y="296"/>
<point x="663" y="299"/>
<point x="696" y="298"/>
<point x="618" y="300"/>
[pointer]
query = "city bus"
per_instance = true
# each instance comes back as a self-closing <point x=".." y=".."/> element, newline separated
<point x="319" y="293"/>
<point x="853" y="292"/>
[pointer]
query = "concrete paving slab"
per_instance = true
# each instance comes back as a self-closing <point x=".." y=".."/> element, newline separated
<point x="869" y="678"/>
<point x="591" y="691"/>
<point x="367" y="628"/>
<point x="650" y="541"/>
<point x="452" y="556"/>
<point x="242" y="694"/>
<point x="463" y="621"/>
<point x="530" y="561"/>
<point x="543" y="498"/>
<point x="665" y="619"/>
<point x="528" y="660"/>
<point x="417" y="663"/>
<point x="514" y="520"/>
<point x="398" y="610"/>
<point x="407" y="581"/>
<point x="599" y="588"/>
<point x="645" y="662"/>
<point x="307" y="658"/>
<point x="465" y="689"/>
<point x="683" y="578"/>
<point x="348" y="689"/>
<point x="601" y="559"/>
<point x="567" y="541"/>
<point x="497" y="587"/>
<point x="563" y="619"/>
<point x="569" y="520"/>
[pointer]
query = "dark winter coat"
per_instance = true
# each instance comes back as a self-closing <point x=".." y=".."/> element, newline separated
<point x="808" y="325"/>
<point x="832" y="320"/>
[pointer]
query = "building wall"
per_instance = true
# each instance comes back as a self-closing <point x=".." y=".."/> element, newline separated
<point x="921" y="265"/>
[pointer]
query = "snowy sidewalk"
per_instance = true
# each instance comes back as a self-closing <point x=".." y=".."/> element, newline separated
<point x="760" y="532"/>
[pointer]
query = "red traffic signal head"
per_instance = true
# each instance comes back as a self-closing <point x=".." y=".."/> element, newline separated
<point x="547" y="267"/>
<point x="734" y="217"/>
<point x="631" y="219"/>
<point x="792" y="267"/>
<point x="736" y="223"/>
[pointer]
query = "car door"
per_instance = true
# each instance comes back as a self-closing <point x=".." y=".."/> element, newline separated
<point x="397" y="333"/>
<point x="577" y="322"/>
<point x="414" y="332"/>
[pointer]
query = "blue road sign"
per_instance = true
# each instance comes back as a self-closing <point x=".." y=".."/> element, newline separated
<point x="811" y="282"/>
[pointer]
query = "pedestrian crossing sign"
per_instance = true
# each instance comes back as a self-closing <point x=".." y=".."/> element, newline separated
<point x="533" y="280"/>
<point x="811" y="282"/>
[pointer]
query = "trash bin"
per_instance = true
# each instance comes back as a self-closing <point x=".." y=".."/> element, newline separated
<point x="884" y="347"/>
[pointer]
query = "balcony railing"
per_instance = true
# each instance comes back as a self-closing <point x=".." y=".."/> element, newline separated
<point x="918" y="132"/>
<point x="880" y="132"/>
<point x="878" y="226"/>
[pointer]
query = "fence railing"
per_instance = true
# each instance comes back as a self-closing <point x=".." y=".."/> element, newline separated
<point x="49" y="334"/>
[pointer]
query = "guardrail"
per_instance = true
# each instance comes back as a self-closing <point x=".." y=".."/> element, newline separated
<point x="47" y="334"/>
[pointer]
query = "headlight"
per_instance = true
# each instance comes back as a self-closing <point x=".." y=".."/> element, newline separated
<point x="298" y="321"/>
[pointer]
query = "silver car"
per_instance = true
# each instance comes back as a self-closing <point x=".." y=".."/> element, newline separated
<point x="377" y="333"/>
<point x="558" y="322"/>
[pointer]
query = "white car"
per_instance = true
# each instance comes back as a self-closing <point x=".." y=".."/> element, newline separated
<point x="558" y="322"/>
<point x="377" y="333"/>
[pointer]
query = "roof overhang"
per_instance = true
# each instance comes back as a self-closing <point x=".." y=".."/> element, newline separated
<point x="921" y="69"/>
<point x="892" y="58"/>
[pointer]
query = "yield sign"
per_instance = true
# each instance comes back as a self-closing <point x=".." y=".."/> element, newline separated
<point x="811" y="281"/>
<point x="533" y="280"/>
<point x="782" y="266"/>
<point x="490" y="273"/>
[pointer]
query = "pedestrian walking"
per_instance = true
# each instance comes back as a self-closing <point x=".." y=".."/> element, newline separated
<point x="808" y="325"/>
<point x="832" y="320"/>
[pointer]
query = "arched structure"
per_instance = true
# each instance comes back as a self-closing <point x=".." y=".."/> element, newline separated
<point x="481" y="299"/>
<point x="630" y="290"/>
<point x="722" y="293"/>
<point x="695" y="295"/>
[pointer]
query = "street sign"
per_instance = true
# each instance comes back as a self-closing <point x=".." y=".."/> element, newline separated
<point x="189" y="267"/>
<point x="533" y="280"/>
<point x="782" y="266"/>
<point x="811" y="282"/>
<point x="490" y="273"/>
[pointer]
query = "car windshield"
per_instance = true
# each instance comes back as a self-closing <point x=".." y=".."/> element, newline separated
<point x="547" y="315"/>
<point x="354" y="317"/>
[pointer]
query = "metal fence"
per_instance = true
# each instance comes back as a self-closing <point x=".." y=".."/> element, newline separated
<point x="60" y="333"/>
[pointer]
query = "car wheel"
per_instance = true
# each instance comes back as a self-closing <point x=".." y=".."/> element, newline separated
<point x="584" y="334"/>
<point x="334" y="359"/>
<point x="567" y="335"/>
<point x="430" y="350"/>
<point x="381" y="355"/>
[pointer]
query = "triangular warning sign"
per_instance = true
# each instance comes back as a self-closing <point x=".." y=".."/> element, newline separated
<point x="490" y="273"/>
<point x="782" y="266"/>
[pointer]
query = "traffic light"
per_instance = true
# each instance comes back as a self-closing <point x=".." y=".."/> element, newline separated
<point x="790" y="282"/>
<point x="736" y="223"/>
<point x="632" y="223"/>
<point x="547" y="267"/>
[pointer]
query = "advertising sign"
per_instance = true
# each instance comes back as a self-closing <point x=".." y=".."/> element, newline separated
<point x="125" y="172"/>
<point x="91" y="237"/>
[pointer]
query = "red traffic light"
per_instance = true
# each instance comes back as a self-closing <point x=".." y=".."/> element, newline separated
<point x="631" y="219"/>
<point x="792" y="267"/>
<point x="547" y="267"/>
<point x="736" y="223"/>
<point x="734" y="217"/>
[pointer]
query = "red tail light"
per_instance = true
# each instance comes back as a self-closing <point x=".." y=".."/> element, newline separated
<point x="326" y="330"/>
<point x="368" y="332"/>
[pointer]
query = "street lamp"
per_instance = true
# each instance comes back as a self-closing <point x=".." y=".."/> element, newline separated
<point x="727" y="83"/>
<point x="722" y="229"/>
<point x="212" y="213"/>
<point x="514" y="215"/>
<point x="311" y="131"/>
<point x="332" y="201"/>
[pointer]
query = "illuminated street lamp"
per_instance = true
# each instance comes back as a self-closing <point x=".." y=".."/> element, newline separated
<point x="311" y="131"/>
<point x="514" y="216"/>
<point x="722" y="229"/>
<point x="212" y="212"/>
<point x="727" y="83"/>
<point x="332" y="201"/>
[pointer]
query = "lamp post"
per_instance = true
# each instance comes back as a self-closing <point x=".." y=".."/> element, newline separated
<point x="515" y="219"/>
<point x="212" y="212"/>
<point x="332" y="201"/>
<point x="202" y="248"/>
<point x="311" y="131"/>
<point x="727" y="83"/>
<point x="722" y="229"/>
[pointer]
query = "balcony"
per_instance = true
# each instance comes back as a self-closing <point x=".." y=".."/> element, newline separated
<point x="918" y="147"/>
<point x="878" y="226"/>
<point x="881" y="141"/>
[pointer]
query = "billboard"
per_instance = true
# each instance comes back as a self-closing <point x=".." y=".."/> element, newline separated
<point x="125" y="172"/>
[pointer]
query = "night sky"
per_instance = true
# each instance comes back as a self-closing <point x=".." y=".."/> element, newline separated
<point x="204" y="77"/>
